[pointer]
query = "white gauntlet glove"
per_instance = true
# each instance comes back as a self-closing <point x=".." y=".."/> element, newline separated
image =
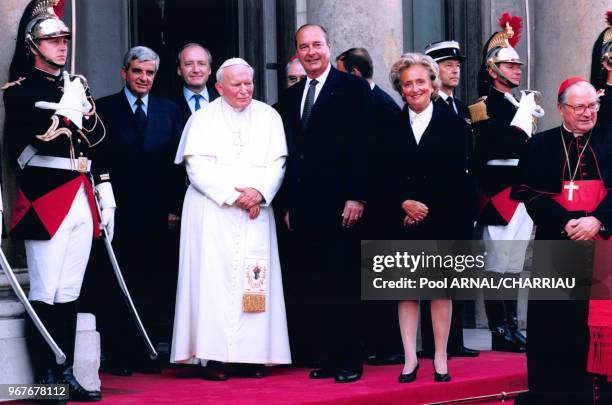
<point x="107" y="206"/>
<point x="73" y="103"/>
<point x="527" y="109"/>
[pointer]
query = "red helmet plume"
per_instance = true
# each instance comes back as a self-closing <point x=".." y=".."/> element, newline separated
<point x="59" y="8"/>
<point x="516" y="23"/>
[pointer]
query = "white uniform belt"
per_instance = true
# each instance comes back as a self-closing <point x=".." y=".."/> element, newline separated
<point x="503" y="162"/>
<point x="54" y="162"/>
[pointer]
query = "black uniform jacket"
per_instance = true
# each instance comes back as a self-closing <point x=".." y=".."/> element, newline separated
<point x="328" y="160"/>
<point x="495" y="139"/>
<point x="434" y="172"/>
<point x="542" y="171"/>
<point x="45" y="194"/>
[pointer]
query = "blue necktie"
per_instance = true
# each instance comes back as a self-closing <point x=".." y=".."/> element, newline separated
<point x="197" y="98"/>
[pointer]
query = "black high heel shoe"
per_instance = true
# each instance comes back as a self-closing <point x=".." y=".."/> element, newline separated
<point x="440" y="377"/>
<point x="410" y="377"/>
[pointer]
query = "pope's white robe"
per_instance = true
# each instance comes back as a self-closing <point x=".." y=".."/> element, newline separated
<point x="223" y="149"/>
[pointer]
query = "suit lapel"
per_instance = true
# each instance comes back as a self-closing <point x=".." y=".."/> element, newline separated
<point x="325" y="97"/>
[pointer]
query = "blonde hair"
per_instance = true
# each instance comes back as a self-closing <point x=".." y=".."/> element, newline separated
<point x="408" y="60"/>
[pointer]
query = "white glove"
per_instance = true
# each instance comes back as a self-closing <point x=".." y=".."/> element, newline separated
<point x="73" y="103"/>
<point x="107" y="205"/>
<point x="108" y="222"/>
<point x="527" y="109"/>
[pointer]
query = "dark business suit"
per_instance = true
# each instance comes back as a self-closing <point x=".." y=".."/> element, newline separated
<point x="380" y="327"/>
<point x="327" y="165"/>
<point x="455" y="338"/>
<point x="148" y="187"/>
<point x="179" y="99"/>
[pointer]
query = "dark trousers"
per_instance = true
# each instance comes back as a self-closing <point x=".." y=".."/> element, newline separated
<point x="380" y="325"/>
<point x="557" y="351"/>
<point x="149" y="264"/>
<point x="323" y="283"/>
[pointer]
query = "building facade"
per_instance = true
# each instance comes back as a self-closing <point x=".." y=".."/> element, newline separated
<point x="555" y="44"/>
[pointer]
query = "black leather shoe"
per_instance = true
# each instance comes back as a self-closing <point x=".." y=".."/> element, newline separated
<point x="322" y="373"/>
<point x="440" y="377"/>
<point x="410" y="377"/>
<point x="251" y="370"/>
<point x="516" y="333"/>
<point x="347" y="376"/>
<point x="49" y="377"/>
<point x="503" y="341"/>
<point x="464" y="352"/>
<point x="376" y="360"/>
<point x="76" y="392"/>
<point x="214" y="371"/>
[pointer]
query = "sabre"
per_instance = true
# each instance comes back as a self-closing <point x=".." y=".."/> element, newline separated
<point x="60" y="357"/>
<point x="126" y="294"/>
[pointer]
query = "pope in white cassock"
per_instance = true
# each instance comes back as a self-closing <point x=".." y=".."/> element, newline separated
<point x="229" y="302"/>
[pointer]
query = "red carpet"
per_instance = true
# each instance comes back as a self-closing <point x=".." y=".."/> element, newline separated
<point x="491" y="373"/>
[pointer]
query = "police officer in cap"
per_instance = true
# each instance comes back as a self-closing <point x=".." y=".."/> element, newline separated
<point x="502" y="125"/>
<point x="56" y="140"/>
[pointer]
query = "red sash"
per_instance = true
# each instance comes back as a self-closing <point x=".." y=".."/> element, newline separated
<point x="586" y="196"/>
<point x="504" y="205"/>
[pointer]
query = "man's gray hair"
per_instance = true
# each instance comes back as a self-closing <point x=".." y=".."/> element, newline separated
<point x="232" y="62"/>
<point x="583" y="84"/>
<point x="142" y="54"/>
<point x="408" y="60"/>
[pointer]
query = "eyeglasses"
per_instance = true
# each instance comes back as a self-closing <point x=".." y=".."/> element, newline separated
<point x="294" y="79"/>
<point x="581" y="109"/>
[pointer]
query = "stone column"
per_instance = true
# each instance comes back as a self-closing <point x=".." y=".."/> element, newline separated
<point x="371" y="24"/>
<point x="563" y="42"/>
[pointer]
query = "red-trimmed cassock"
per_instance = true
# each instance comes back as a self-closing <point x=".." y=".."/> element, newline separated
<point x="561" y="332"/>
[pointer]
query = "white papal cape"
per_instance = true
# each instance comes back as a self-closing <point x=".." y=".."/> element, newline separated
<point x="223" y="149"/>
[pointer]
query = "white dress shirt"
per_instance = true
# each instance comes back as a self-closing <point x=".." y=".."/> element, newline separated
<point x="321" y="81"/>
<point x="420" y="121"/>
<point x="132" y="100"/>
<point x="445" y="98"/>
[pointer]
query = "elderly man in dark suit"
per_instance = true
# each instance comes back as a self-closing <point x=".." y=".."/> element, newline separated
<point x="144" y="131"/>
<point x="194" y="67"/>
<point x="448" y="56"/>
<point x="382" y="341"/>
<point x="327" y="121"/>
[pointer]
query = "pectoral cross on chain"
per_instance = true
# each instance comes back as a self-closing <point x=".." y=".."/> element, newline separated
<point x="571" y="187"/>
